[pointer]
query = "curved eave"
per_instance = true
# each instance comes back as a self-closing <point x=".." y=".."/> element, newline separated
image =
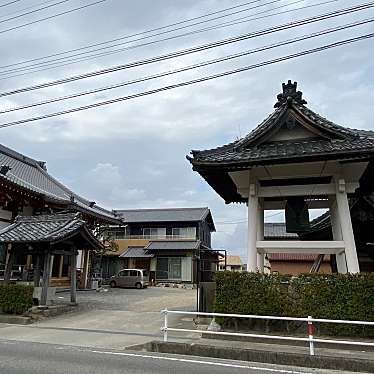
<point x="102" y="217"/>
<point x="217" y="174"/>
<point x="242" y="164"/>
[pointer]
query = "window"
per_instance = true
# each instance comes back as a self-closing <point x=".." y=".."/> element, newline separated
<point x="124" y="273"/>
<point x="154" y="232"/>
<point x="116" y="234"/>
<point x="169" y="268"/>
<point x="184" y="232"/>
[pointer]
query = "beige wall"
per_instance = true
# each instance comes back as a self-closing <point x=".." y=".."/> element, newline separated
<point x="124" y="244"/>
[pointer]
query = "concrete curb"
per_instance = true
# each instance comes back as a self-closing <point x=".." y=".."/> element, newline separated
<point x="280" y="358"/>
<point x="14" y="319"/>
<point x="294" y="343"/>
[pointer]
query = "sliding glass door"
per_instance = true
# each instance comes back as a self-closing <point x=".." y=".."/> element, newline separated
<point x="169" y="268"/>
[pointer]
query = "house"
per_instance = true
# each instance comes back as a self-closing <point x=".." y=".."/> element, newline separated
<point x="296" y="160"/>
<point x="27" y="189"/>
<point x="231" y="263"/>
<point x="171" y="243"/>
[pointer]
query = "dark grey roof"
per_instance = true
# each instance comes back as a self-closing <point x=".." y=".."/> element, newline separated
<point x="336" y="141"/>
<point x="32" y="176"/>
<point x="164" y="215"/>
<point x="173" y="245"/>
<point x="49" y="228"/>
<point x="273" y="230"/>
<point x="136" y="252"/>
<point x="288" y="150"/>
<point x="327" y="141"/>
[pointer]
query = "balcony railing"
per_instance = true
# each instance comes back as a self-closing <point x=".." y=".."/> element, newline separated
<point x="155" y="237"/>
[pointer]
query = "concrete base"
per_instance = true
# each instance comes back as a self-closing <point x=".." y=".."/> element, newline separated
<point x="270" y="357"/>
<point x="291" y="342"/>
<point x="14" y="319"/>
<point x="51" y="294"/>
<point x="37" y="313"/>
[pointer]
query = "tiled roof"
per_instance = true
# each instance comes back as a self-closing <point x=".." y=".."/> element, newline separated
<point x="232" y="260"/>
<point x="295" y="257"/>
<point x="173" y="245"/>
<point x="292" y="133"/>
<point x="164" y="215"/>
<point x="287" y="150"/>
<point x="277" y="230"/>
<point x="49" y="228"/>
<point x="31" y="175"/>
<point x="136" y="252"/>
<point x="336" y="141"/>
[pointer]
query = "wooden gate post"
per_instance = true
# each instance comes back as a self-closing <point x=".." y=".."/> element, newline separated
<point x="9" y="264"/>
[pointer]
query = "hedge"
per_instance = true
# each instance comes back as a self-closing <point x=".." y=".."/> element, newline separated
<point x="330" y="296"/>
<point x="15" y="298"/>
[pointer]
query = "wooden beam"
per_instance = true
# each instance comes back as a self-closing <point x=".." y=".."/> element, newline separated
<point x="280" y="204"/>
<point x="298" y="246"/>
<point x="304" y="190"/>
<point x="73" y="278"/>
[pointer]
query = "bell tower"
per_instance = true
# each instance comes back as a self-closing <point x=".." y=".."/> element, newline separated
<point x="295" y="160"/>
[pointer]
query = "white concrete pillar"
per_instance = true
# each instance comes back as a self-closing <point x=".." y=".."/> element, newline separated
<point x="344" y="215"/>
<point x="252" y="228"/>
<point x="341" y="262"/>
<point x="260" y="235"/>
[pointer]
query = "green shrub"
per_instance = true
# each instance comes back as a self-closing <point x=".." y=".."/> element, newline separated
<point x="15" y="298"/>
<point x="329" y="296"/>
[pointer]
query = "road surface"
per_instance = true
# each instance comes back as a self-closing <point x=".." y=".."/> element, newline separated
<point x="37" y="358"/>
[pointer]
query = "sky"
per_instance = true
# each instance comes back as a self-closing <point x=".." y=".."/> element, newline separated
<point x="132" y="154"/>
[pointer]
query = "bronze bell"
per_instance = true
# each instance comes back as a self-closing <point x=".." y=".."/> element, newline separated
<point x="297" y="215"/>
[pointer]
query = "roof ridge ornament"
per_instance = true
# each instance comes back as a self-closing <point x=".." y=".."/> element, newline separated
<point x="289" y="95"/>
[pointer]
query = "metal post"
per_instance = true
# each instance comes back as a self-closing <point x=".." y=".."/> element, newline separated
<point x="165" y="325"/>
<point x="310" y="334"/>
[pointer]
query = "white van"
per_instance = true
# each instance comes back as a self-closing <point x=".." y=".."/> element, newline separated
<point x="130" y="278"/>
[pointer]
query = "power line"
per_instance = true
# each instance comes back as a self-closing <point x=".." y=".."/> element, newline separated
<point x="33" y="11"/>
<point x="194" y="81"/>
<point x="68" y="61"/>
<point x="245" y="220"/>
<point x="187" y="51"/>
<point x="130" y="36"/>
<point x="52" y="16"/>
<point x="47" y="65"/>
<point x="9" y="3"/>
<point x="194" y="66"/>
<point x="69" y="58"/>
<point x="27" y="8"/>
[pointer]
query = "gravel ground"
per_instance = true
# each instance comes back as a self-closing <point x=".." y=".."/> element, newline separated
<point x="151" y="299"/>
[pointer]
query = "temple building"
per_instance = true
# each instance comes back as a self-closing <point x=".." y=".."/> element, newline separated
<point x="27" y="189"/>
<point x="297" y="160"/>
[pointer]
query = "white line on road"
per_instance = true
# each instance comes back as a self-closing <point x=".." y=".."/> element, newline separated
<point x="151" y="357"/>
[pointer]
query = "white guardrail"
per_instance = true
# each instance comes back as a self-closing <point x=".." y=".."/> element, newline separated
<point x="309" y="320"/>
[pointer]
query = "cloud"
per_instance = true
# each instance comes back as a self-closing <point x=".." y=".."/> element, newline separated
<point x="132" y="154"/>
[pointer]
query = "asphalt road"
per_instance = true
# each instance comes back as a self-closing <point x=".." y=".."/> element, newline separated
<point x="37" y="358"/>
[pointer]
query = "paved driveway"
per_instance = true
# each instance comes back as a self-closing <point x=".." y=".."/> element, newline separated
<point x="116" y="319"/>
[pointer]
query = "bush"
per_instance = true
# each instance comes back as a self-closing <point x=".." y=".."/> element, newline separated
<point x="15" y="298"/>
<point x="329" y="296"/>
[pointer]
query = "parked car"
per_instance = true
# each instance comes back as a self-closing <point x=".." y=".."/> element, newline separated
<point x="130" y="278"/>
